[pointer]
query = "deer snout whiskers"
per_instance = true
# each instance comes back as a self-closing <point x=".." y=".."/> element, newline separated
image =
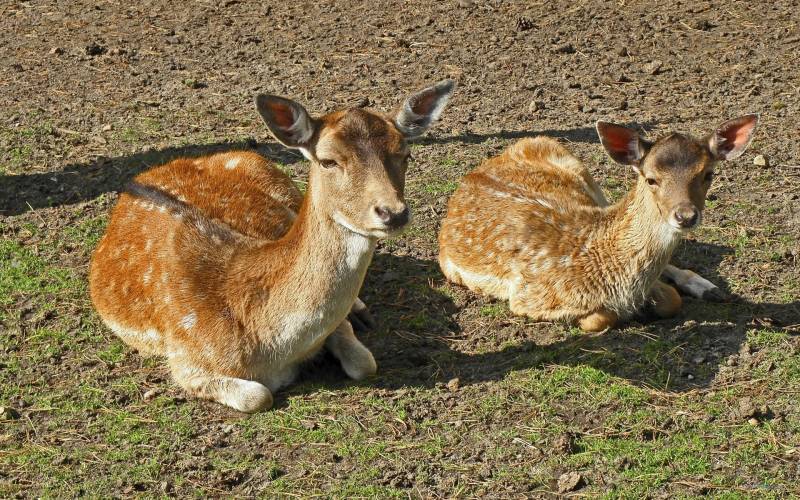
<point x="685" y="216"/>
<point x="393" y="217"/>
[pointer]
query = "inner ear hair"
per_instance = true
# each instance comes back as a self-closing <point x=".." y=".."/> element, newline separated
<point x="623" y="144"/>
<point x="287" y="121"/>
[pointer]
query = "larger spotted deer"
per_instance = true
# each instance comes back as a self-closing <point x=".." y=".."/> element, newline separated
<point x="531" y="226"/>
<point x="221" y="265"/>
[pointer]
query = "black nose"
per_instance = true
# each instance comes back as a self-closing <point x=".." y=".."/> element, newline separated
<point x="686" y="216"/>
<point x="392" y="218"/>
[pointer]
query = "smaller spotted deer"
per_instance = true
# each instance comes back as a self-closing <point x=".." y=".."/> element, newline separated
<point x="221" y="265"/>
<point x="532" y="226"/>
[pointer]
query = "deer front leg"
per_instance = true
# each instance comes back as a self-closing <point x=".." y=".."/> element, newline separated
<point x="360" y="317"/>
<point x="693" y="284"/>
<point x="357" y="362"/>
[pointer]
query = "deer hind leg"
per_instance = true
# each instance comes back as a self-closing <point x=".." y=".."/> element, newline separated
<point x="148" y="341"/>
<point x="357" y="362"/>
<point x="360" y="317"/>
<point x="243" y="395"/>
<point x="598" y="321"/>
<point x="693" y="284"/>
<point x="665" y="299"/>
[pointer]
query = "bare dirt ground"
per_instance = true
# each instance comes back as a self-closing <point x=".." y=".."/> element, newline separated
<point x="92" y="93"/>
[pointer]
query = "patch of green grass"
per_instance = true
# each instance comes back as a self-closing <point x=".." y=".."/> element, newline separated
<point x="495" y="310"/>
<point x="87" y="232"/>
<point x="439" y="188"/>
<point x="25" y="274"/>
<point x="18" y="144"/>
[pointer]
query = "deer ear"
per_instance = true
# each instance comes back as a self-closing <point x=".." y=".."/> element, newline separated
<point x="422" y="108"/>
<point x="287" y="121"/>
<point x="732" y="137"/>
<point x="622" y="144"/>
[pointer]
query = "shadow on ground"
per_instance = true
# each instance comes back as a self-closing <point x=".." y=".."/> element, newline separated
<point x="420" y="341"/>
<point x="84" y="181"/>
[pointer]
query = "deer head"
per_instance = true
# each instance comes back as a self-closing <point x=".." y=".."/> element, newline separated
<point x="358" y="156"/>
<point x="678" y="169"/>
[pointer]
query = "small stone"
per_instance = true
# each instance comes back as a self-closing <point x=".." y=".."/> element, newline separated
<point x="746" y="408"/>
<point x="7" y="413"/>
<point x="535" y="106"/>
<point x="690" y="377"/>
<point x="760" y="161"/>
<point x="698" y="359"/>
<point x="623" y="51"/>
<point x="753" y="421"/>
<point x="466" y="4"/>
<point x="147" y="396"/>
<point x="653" y="67"/>
<point x="453" y="384"/>
<point x="732" y="360"/>
<point x="565" y="443"/>
<point x="56" y="51"/>
<point x="569" y="481"/>
<point x="107" y="128"/>
<point x="587" y="108"/>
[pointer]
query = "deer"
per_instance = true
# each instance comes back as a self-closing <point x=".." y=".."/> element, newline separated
<point x="221" y="265"/>
<point x="532" y="226"/>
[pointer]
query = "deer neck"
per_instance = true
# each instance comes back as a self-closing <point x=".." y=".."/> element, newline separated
<point x="315" y="271"/>
<point x="641" y="241"/>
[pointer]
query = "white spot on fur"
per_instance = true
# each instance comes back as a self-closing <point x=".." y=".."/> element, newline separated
<point x="147" y="275"/>
<point x="232" y="163"/>
<point x="188" y="321"/>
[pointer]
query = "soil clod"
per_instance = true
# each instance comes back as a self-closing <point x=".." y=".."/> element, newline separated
<point x="570" y="481"/>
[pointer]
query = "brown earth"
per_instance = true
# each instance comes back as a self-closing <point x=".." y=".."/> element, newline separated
<point x="92" y="93"/>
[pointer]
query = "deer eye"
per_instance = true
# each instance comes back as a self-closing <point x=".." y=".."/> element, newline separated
<point x="709" y="177"/>
<point x="328" y="163"/>
<point x="652" y="182"/>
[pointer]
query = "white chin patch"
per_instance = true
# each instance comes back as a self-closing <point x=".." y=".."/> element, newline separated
<point x="340" y="219"/>
<point x="674" y="225"/>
